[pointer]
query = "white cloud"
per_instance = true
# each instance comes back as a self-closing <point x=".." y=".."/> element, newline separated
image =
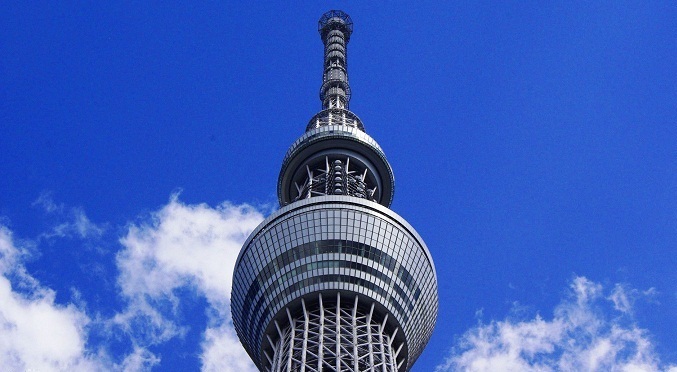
<point x="185" y="246"/>
<point x="37" y="334"/>
<point x="194" y="247"/>
<point x="222" y="351"/>
<point x="624" y="298"/>
<point x="181" y="247"/>
<point x="76" y="224"/>
<point x="47" y="203"/>
<point x="139" y="359"/>
<point x="72" y="222"/>
<point x="583" y="335"/>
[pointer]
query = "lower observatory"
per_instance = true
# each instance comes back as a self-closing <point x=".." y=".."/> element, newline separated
<point x="334" y="280"/>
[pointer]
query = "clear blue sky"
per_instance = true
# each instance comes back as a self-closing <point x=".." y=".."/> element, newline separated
<point x="534" y="147"/>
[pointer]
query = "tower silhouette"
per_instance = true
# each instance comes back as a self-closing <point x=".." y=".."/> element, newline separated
<point x="334" y="280"/>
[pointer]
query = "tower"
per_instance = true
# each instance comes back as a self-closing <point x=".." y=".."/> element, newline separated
<point x="334" y="280"/>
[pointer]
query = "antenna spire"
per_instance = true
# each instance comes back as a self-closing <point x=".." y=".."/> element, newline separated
<point x="335" y="28"/>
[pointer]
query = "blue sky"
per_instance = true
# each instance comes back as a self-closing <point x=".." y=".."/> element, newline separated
<point x="533" y="145"/>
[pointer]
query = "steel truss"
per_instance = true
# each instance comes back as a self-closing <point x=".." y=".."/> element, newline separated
<point x="335" y="178"/>
<point x="337" y="337"/>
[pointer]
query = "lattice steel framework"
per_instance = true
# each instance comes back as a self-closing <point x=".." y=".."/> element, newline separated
<point x="335" y="178"/>
<point x="334" y="280"/>
<point x="334" y="335"/>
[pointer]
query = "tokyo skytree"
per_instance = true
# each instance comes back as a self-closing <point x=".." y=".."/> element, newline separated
<point x="334" y="280"/>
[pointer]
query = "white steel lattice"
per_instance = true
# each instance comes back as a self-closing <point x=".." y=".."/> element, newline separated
<point x="336" y="336"/>
<point x="334" y="177"/>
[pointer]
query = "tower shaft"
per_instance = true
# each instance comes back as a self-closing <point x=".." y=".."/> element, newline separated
<point x="334" y="280"/>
